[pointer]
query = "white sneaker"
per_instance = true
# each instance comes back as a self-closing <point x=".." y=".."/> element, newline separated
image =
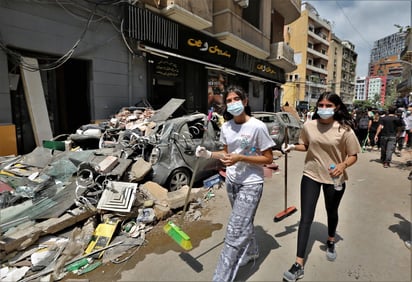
<point x="248" y="258"/>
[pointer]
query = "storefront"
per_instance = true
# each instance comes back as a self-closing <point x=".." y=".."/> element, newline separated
<point x="185" y="63"/>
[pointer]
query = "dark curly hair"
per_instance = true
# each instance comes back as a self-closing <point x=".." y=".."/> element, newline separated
<point x="342" y="114"/>
<point x="242" y="95"/>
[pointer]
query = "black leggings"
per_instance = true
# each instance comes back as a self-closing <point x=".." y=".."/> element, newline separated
<point x="309" y="195"/>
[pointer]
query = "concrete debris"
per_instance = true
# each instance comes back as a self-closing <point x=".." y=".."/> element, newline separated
<point x="78" y="183"/>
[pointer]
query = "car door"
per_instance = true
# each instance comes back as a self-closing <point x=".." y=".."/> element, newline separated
<point x="292" y="124"/>
<point x="192" y="135"/>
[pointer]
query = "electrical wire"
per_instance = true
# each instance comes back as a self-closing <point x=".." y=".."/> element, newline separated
<point x="352" y="25"/>
<point x="18" y="59"/>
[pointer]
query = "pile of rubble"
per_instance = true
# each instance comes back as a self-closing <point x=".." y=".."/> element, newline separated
<point x="101" y="197"/>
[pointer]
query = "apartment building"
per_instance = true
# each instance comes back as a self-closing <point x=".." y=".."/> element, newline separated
<point x="309" y="37"/>
<point x="93" y="58"/>
<point x="405" y="86"/>
<point x="361" y="88"/>
<point x="341" y="69"/>
<point x="384" y="61"/>
<point x="376" y="89"/>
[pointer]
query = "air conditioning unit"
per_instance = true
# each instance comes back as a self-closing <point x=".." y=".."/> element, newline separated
<point x="242" y="3"/>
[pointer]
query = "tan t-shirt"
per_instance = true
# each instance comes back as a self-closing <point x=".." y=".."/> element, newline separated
<point x="327" y="144"/>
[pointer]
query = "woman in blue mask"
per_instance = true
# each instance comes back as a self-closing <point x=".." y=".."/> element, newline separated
<point x="328" y="139"/>
<point x="247" y="147"/>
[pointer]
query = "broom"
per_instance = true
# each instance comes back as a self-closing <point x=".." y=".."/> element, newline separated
<point x="172" y="229"/>
<point x="288" y="210"/>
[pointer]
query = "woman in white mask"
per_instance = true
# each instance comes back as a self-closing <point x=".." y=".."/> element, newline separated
<point x="247" y="147"/>
<point x="328" y="139"/>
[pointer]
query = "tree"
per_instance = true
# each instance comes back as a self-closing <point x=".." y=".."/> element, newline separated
<point x="363" y="104"/>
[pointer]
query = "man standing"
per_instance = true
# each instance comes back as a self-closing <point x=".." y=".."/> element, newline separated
<point x="388" y="128"/>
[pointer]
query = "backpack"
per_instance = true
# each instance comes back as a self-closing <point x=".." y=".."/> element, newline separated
<point x="363" y="122"/>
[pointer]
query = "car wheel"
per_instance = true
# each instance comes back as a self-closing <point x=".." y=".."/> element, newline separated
<point x="179" y="178"/>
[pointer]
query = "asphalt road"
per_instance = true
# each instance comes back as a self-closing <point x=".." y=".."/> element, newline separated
<point x="375" y="220"/>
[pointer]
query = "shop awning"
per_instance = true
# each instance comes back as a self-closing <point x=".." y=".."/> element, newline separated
<point x="166" y="54"/>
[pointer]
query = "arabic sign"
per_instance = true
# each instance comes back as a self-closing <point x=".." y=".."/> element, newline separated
<point x="202" y="47"/>
<point x="167" y="68"/>
<point x="264" y="69"/>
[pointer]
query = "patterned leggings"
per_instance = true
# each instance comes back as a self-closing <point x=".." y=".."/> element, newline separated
<point x="240" y="236"/>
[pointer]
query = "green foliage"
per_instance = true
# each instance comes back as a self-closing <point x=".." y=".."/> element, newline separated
<point x="363" y="104"/>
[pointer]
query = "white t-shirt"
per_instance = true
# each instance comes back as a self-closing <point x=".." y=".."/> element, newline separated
<point x="249" y="138"/>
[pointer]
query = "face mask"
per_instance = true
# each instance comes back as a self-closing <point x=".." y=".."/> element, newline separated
<point x="326" y="113"/>
<point x="235" y="108"/>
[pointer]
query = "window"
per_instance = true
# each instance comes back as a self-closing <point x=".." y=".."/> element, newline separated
<point x="252" y="13"/>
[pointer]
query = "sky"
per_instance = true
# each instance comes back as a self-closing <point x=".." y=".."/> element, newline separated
<point x="362" y="22"/>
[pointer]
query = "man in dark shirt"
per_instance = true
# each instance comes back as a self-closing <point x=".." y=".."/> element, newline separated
<point x="388" y="128"/>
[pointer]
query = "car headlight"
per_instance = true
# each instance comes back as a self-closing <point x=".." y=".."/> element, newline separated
<point x="154" y="156"/>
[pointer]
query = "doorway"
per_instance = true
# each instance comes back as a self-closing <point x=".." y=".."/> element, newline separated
<point x="66" y="92"/>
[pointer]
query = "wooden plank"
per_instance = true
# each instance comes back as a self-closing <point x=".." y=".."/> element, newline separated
<point x="21" y="239"/>
<point x="36" y="102"/>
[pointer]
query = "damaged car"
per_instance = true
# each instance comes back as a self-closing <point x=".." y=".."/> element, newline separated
<point x="168" y="142"/>
<point x="276" y="124"/>
<point x="173" y="157"/>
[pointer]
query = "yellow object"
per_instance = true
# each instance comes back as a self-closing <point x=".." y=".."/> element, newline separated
<point x="102" y="236"/>
<point x="178" y="235"/>
<point x="8" y="143"/>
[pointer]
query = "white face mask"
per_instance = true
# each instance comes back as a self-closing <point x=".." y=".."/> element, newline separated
<point x="235" y="108"/>
<point x="326" y="113"/>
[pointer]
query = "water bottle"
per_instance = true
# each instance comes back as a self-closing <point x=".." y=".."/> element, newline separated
<point x="336" y="183"/>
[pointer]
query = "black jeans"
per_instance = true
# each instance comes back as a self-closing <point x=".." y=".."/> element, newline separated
<point x="309" y="195"/>
<point x="388" y="145"/>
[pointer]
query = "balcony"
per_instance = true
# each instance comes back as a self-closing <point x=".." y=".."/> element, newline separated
<point x="232" y="30"/>
<point x="194" y="14"/>
<point x="281" y="55"/>
<point x="318" y="38"/>
<point x="317" y="69"/>
<point x="317" y="54"/>
<point x="289" y="9"/>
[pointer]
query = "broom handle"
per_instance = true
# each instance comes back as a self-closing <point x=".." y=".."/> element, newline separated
<point x="286" y="168"/>
<point x="192" y="180"/>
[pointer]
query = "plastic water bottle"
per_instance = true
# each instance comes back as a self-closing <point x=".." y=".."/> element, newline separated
<point x="336" y="183"/>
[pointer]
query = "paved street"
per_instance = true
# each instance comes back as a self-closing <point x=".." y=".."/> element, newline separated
<point x="375" y="219"/>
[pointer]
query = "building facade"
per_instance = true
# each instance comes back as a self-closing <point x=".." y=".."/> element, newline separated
<point x="384" y="62"/>
<point x="361" y="88"/>
<point x="92" y="59"/>
<point x="405" y="87"/>
<point x="309" y="37"/>
<point x="376" y="89"/>
<point x="341" y="69"/>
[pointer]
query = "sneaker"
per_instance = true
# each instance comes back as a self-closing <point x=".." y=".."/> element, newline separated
<point x="330" y="250"/>
<point x="294" y="273"/>
<point x="248" y="258"/>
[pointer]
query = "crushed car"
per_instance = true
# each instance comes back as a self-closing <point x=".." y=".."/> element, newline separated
<point x="277" y="122"/>
<point x="168" y="143"/>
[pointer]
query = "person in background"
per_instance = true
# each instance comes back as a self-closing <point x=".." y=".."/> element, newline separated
<point x="408" y="129"/>
<point x="372" y="127"/>
<point x="362" y="122"/>
<point x="247" y="147"/>
<point x="328" y="139"/>
<point x="400" y="137"/>
<point x="389" y="127"/>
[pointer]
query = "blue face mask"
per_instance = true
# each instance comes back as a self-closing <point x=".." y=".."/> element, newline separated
<point x="235" y="108"/>
<point x="326" y="113"/>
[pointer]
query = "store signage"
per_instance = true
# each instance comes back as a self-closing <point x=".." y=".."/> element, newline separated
<point x="167" y="68"/>
<point x="202" y="47"/>
<point x="269" y="71"/>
